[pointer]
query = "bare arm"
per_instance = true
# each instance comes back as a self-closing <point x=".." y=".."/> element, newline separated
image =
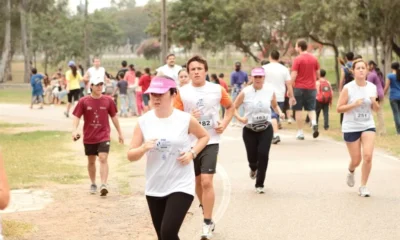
<point x="86" y="77"/>
<point x="341" y="83"/>
<point x="200" y="133"/>
<point x="387" y="85"/>
<point x="275" y="105"/>
<point x="238" y="102"/>
<point x="343" y="106"/>
<point x="289" y="86"/>
<point x="4" y="188"/>
<point x="137" y="148"/>
<point x="116" y="125"/>
<point x="293" y="76"/>
<point x="375" y="105"/>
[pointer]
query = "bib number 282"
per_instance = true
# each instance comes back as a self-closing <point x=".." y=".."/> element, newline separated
<point x="205" y="123"/>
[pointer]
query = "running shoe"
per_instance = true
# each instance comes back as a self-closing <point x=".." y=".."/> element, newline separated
<point x="260" y="190"/>
<point x="208" y="230"/>
<point x="315" y="131"/>
<point x="103" y="190"/>
<point x="300" y="136"/>
<point x="93" y="189"/>
<point x="276" y="140"/>
<point x="350" y="179"/>
<point x="253" y="174"/>
<point x="66" y="114"/>
<point x="364" y="192"/>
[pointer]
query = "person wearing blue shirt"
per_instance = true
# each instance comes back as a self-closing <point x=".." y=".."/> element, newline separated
<point x="393" y="81"/>
<point x="37" y="88"/>
<point x="239" y="79"/>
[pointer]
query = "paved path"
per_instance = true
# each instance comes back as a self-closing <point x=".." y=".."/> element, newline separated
<point x="306" y="192"/>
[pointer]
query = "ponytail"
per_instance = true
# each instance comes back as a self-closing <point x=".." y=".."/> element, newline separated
<point x="74" y="70"/>
<point x="396" y="67"/>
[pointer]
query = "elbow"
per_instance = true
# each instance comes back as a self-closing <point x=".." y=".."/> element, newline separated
<point x="5" y="199"/>
<point x="132" y="157"/>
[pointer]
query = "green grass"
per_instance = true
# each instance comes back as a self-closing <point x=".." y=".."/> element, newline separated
<point x="22" y="96"/>
<point x="36" y="158"/>
<point x="15" y="125"/>
<point x="16" y="229"/>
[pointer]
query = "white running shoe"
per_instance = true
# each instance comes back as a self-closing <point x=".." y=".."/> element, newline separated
<point x="260" y="190"/>
<point x="207" y="231"/>
<point x="364" y="192"/>
<point x="350" y="179"/>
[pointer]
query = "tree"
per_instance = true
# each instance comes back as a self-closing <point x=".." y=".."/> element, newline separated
<point x="5" y="58"/>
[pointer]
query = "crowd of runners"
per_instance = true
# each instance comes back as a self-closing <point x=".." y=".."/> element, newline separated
<point x="183" y="112"/>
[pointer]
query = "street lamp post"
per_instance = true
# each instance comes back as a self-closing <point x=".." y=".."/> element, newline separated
<point x="164" y="31"/>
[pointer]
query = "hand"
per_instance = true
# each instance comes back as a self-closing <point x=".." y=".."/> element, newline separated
<point x="185" y="158"/>
<point x="358" y="102"/>
<point x="75" y="135"/>
<point x="292" y="101"/>
<point x="282" y="115"/>
<point x="373" y="99"/>
<point x="149" y="144"/>
<point x="220" y="128"/>
<point x="243" y="120"/>
<point x="120" y="139"/>
<point x="196" y="113"/>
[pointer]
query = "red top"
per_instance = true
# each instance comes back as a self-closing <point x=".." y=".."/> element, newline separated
<point x="144" y="82"/>
<point x="223" y="84"/>
<point x="96" y="128"/>
<point x="306" y="66"/>
<point x="130" y="77"/>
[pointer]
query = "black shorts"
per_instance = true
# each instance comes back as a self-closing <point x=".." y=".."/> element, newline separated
<point x="206" y="160"/>
<point x="96" y="148"/>
<point x="305" y="98"/>
<point x="354" y="136"/>
<point x="146" y="99"/>
<point x="73" y="94"/>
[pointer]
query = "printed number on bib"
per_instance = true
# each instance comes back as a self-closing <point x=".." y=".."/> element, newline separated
<point x="260" y="117"/>
<point x="362" y="116"/>
<point x="206" y="123"/>
<point x="163" y="145"/>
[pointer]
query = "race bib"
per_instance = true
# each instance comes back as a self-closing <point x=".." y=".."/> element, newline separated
<point x="362" y="116"/>
<point x="163" y="146"/>
<point x="206" y="122"/>
<point x="259" y="117"/>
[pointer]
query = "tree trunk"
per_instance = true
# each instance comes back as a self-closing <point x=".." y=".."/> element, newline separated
<point x="86" y="37"/>
<point x="375" y="49"/>
<point x="387" y="57"/>
<point x="7" y="44"/>
<point x="24" y="38"/>
<point x="9" y="66"/>
<point x="396" y="48"/>
<point x="337" y="72"/>
<point x="46" y="61"/>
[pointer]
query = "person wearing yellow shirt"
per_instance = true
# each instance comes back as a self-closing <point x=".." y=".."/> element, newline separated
<point x="73" y="78"/>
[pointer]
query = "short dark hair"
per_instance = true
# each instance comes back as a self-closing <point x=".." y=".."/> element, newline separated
<point x="138" y="74"/>
<point x="358" y="57"/>
<point x="302" y="44"/>
<point x="197" y="59"/>
<point x="34" y="70"/>
<point x="147" y="70"/>
<point x="132" y="67"/>
<point x="275" y="55"/>
<point x="124" y="63"/>
<point x="121" y="75"/>
<point x="169" y="55"/>
<point x="350" y="56"/>
<point x="322" y="72"/>
<point x="221" y="75"/>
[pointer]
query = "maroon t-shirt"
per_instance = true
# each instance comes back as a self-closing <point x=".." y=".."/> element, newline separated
<point x="306" y="66"/>
<point x="144" y="82"/>
<point x="95" y="113"/>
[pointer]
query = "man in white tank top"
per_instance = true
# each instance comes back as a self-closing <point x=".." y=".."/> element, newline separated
<point x="203" y="100"/>
<point x="95" y="73"/>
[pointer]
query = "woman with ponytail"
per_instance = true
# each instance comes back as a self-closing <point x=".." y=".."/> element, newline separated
<point x="393" y="81"/>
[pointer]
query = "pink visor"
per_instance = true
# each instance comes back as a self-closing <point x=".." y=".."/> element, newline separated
<point x="259" y="71"/>
<point x="160" y="85"/>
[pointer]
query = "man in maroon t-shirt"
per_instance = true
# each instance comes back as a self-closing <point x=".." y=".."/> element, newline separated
<point x="305" y="72"/>
<point x="95" y="109"/>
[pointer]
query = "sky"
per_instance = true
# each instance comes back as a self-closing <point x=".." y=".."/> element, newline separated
<point x="97" y="4"/>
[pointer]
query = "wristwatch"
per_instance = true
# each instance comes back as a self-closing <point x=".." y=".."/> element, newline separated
<point x="193" y="153"/>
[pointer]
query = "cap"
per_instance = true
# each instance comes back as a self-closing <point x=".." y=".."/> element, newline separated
<point x="71" y="63"/>
<point x="96" y="80"/>
<point x="238" y="64"/>
<point x="257" y="72"/>
<point x="160" y="85"/>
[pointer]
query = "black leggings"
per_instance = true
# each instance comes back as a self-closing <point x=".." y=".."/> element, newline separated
<point x="168" y="213"/>
<point x="257" y="148"/>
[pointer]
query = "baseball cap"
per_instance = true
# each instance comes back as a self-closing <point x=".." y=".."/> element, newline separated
<point x="71" y="63"/>
<point x="259" y="71"/>
<point x="160" y="85"/>
<point x="96" y="80"/>
<point x="238" y="64"/>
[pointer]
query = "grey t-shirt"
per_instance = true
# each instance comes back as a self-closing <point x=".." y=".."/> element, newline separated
<point x="123" y="86"/>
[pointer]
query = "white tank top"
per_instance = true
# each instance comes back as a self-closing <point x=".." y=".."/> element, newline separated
<point x="207" y="99"/>
<point x="257" y="103"/>
<point x="360" y="118"/>
<point x="164" y="173"/>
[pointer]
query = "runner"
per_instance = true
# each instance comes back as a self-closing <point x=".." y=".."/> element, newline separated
<point x="95" y="72"/>
<point x="170" y="69"/>
<point x="37" y="88"/>
<point x="95" y="109"/>
<point x="183" y="77"/>
<point x="163" y="135"/>
<point x="356" y="101"/>
<point x="144" y="83"/>
<point x="393" y="81"/>
<point x="203" y="100"/>
<point x="257" y="99"/>
<point x="305" y="72"/>
<point x="278" y="76"/>
<point x="73" y="78"/>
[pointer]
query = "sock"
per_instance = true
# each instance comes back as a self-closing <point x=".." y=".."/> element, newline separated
<point x="275" y="135"/>
<point x="299" y="131"/>
<point x="207" y="221"/>
<point x="313" y="122"/>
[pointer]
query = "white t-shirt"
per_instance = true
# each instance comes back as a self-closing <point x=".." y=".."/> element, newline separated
<point x="164" y="173"/>
<point x="257" y="104"/>
<point x="360" y="118"/>
<point x="170" y="72"/>
<point x="207" y="99"/>
<point x="96" y="73"/>
<point x="277" y="75"/>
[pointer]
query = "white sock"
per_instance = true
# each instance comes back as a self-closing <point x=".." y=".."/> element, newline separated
<point x="300" y="132"/>
<point x="275" y="135"/>
<point x="313" y="122"/>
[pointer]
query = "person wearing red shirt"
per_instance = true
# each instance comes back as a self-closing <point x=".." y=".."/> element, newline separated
<point x="222" y="82"/>
<point x="95" y="109"/>
<point x="305" y="72"/>
<point x="144" y="82"/>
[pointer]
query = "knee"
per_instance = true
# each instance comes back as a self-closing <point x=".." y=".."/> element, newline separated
<point x="206" y="184"/>
<point x="103" y="159"/>
<point x="367" y="158"/>
<point x="355" y="161"/>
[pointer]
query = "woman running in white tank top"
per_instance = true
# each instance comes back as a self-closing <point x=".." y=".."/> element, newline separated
<point x="356" y="101"/>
